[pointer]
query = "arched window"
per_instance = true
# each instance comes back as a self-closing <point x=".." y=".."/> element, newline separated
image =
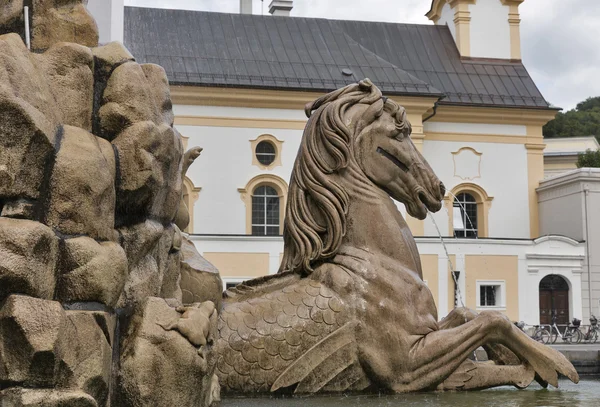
<point x="264" y="197"/>
<point x="468" y="206"/>
<point x="265" y="211"/>
<point x="465" y="216"/>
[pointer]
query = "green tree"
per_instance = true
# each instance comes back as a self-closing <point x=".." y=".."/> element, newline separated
<point x="589" y="159"/>
<point x="582" y="121"/>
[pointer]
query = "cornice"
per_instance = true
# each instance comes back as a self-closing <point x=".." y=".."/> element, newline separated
<point x="499" y="115"/>
<point x="274" y="99"/>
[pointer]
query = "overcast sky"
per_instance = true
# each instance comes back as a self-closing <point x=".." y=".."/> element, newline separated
<point x="560" y="38"/>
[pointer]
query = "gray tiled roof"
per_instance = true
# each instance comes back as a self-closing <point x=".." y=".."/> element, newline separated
<point x="216" y="49"/>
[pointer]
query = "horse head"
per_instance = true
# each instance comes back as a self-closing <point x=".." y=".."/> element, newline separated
<point x="354" y="135"/>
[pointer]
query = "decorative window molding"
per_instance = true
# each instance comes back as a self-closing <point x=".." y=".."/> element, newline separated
<point x="484" y="203"/>
<point x="467" y="163"/>
<point x="190" y="195"/>
<point x="277" y="144"/>
<point x="264" y="179"/>
<point x="498" y="288"/>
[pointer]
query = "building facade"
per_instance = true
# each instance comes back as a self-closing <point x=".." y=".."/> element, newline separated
<point x="239" y="84"/>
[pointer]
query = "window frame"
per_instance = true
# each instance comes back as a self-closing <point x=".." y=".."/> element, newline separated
<point x="502" y="297"/>
<point x="484" y="203"/>
<point x="467" y="220"/>
<point x="265" y="199"/>
<point x="272" y="155"/>
<point x="277" y="145"/>
<point x="246" y="196"/>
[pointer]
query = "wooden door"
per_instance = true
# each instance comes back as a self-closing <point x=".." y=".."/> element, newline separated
<point x="545" y="307"/>
<point x="561" y="306"/>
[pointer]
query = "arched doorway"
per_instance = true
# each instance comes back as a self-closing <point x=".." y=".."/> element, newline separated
<point x="554" y="299"/>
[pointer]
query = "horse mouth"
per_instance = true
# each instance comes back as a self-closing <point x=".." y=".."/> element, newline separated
<point x="424" y="203"/>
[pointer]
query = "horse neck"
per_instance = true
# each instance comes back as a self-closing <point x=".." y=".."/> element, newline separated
<point x="374" y="222"/>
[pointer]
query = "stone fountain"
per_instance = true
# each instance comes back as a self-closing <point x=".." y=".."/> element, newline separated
<point x="104" y="301"/>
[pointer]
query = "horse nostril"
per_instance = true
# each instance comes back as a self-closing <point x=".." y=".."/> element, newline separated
<point x="442" y="189"/>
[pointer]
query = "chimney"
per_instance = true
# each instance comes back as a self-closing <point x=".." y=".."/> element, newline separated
<point x="110" y="18"/>
<point x="481" y="29"/>
<point x="281" y="7"/>
<point x="245" y="6"/>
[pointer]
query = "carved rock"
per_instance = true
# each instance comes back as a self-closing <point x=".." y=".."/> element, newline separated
<point x="64" y="21"/>
<point x="30" y="331"/>
<point x="200" y="280"/>
<point x="135" y="93"/>
<point x="171" y="283"/>
<point x="110" y="56"/>
<point x="69" y="70"/>
<point x="159" y="364"/>
<point x="91" y="271"/>
<point x="150" y="181"/>
<point x="28" y="256"/>
<point x="11" y="16"/>
<point x="82" y="191"/>
<point x="87" y="354"/>
<point x="20" y="397"/>
<point x="42" y="345"/>
<point x="28" y="122"/>
<point x="140" y="242"/>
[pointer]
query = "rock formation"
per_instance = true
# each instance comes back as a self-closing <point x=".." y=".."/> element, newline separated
<point x="91" y="210"/>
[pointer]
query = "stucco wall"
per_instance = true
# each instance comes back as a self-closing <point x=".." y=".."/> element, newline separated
<point x="490" y="31"/>
<point x="569" y="205"/>
<point x="447" y="18"/>
<point x="503" y="175"/>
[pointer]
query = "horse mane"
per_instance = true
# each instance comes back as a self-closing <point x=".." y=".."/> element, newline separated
<point x="317" y="205"/>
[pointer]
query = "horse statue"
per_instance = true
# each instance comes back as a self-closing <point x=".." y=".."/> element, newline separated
<point x="349" y="310"/>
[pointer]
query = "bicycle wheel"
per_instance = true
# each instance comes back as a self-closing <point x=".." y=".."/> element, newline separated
<point x="537" y="335"/>
<point x="577" y="336"/>
<point x="553" y="335"/>
<point x="544" y="336"/>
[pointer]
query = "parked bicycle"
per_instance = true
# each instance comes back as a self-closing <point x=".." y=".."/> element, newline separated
<point x="540" y="334"/>
<point x="571" y="334"/>
<point x="591" y="335"/>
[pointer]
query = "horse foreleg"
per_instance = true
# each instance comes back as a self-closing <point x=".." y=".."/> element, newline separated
<point x="500" y="354"/>
<point x="481" y="375"/>
<point x="435" y="356"/>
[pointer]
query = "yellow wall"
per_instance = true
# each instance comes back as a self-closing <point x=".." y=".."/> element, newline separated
<point x="450" y="285"/>
<point x="504" y="268"/>
<point x="240" y="264"/>
<point x="429" y="264"/>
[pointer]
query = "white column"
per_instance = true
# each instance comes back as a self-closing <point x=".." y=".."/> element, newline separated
<point x="462" y="278"/>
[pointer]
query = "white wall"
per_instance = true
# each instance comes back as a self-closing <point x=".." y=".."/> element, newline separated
<point x="447" y="18"/>
<point x="490" y="31"/>
<point x="226" y="164"/>
<point x="503" y="177"/>
<point x="110" y="17"/>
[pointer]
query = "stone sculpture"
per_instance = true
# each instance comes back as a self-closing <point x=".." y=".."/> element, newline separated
<point x="349" y="310"/>
<point x="104" y="302"/>
<point x="91" y="253"/>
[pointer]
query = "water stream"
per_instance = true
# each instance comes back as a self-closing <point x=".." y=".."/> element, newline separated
<point x="460" y="297"/>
